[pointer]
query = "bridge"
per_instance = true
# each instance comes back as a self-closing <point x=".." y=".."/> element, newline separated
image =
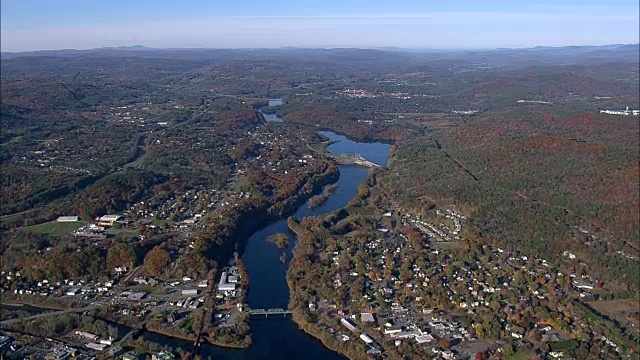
<point x="267" y="312"/>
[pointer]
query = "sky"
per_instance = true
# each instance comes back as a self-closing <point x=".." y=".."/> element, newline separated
<point x="83" y="24"/>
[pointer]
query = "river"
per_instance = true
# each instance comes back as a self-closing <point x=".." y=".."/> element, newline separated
<point x="281" y="338"/>
<point x="272" y="117"/>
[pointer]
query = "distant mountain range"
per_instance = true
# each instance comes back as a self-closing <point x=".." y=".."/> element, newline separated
<point x="493" y="57"/>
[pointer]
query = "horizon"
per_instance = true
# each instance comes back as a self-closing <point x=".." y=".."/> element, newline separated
<point x="30" y="25"/>
<point x="381" y="48"/>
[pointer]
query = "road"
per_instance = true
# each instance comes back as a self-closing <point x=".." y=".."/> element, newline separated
<point x="60" y="312"/>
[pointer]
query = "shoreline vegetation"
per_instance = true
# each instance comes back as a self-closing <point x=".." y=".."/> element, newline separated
<point x="320" y="199"/>
<point x="280" y="240"/>
<point x="301" y="317"/>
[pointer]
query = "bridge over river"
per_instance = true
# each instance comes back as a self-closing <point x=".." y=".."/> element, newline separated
<point x="267" y="312"/>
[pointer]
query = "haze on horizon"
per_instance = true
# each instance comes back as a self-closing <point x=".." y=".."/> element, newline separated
<point x="36" y="25"/>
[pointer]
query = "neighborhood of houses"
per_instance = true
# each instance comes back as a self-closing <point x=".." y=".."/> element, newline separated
<point x="425" y="306"/>
<point x="626" y="112"/>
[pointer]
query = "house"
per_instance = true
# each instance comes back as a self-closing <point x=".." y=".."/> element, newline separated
<point x="367" y="317"/>
<point x="373" y="350"/>
<point x="348" y="324"/>
<point x="67" y="219"/>
<point x="552" y="336"/>
<point x="60" y="353"/>
<point x="163" y="355"/>
<point x="392" y="330"/>
<point x="544" y="327"/>
<point x="114" y="351"/>
<point x="134" y="296"/>
<point x="172" y="317"/>
<point x="585" y="283"/>
<point x="95" y="346"/>
<point x="72" y="291"/>
<point x="366" y="338"/>
<point x="226" y="287"/>
<point x="405" y="334"/>
<point x="448" y="355"/>
<point x="424" y="338"/>
<point x="190" y="292"/>
<point x="131" y="355"/>
<point x="4" y="340"/>
<point x="87" y="335"/>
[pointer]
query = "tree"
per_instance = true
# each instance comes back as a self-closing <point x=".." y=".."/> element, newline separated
<point x="479" y="331"/>
<point x="157" y="260"/>
<point x="121" y="254"/>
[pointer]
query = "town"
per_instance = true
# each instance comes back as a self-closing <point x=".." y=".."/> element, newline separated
<point x="424" y="285"/>
<point x="173" y="290"/>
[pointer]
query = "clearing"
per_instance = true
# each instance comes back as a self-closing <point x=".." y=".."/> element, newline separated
<point x="55" y="228"/>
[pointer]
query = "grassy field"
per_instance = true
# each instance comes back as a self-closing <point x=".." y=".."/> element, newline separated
<point x="619" y="310"/>
<point x="125" y="233"/>
<point x="55" y="228"/>
<point x="321" y="147"/>
<point x="446" y="245"/>
<point x="519" y="356"/>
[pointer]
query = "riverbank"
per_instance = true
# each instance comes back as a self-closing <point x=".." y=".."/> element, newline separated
<point x="300" y="318"/>
<point x="162" y="330"/>
<point x="307" y="315"/>
<point x="262" y="216"/>
<point x="319" y="199"/>
<point x="324" y="337"/>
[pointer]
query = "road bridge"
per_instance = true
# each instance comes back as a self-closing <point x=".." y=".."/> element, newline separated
<point x="267" y="312"/>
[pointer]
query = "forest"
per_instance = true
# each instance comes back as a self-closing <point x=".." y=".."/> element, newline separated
<point x="531" y="178"/>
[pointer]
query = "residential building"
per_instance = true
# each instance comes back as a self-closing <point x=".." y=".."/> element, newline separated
<point x="163" y="355"/>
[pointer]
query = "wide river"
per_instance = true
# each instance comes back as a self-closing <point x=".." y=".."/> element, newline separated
<point x="281" y="338"/>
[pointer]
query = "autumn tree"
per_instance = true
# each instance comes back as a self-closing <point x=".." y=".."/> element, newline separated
<point x="157" y="260"/>
<point x="121" y="254"/>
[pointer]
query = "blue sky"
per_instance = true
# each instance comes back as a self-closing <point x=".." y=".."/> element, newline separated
<point x="81" y="24"/>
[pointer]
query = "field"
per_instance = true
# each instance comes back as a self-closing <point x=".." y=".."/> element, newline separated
<point x="445" y="245"/>
<point x="620" y="310"/>
<point x="518" y="356"/>
<point x="321" y="147"/>
<point x="55" y="228"/>
<point x="124" y="233"/>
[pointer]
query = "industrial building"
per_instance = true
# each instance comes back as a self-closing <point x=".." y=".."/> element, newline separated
<point x="107" y="220"/>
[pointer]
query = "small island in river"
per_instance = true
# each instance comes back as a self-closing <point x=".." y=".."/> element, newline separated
<point x="281" y="240"/>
